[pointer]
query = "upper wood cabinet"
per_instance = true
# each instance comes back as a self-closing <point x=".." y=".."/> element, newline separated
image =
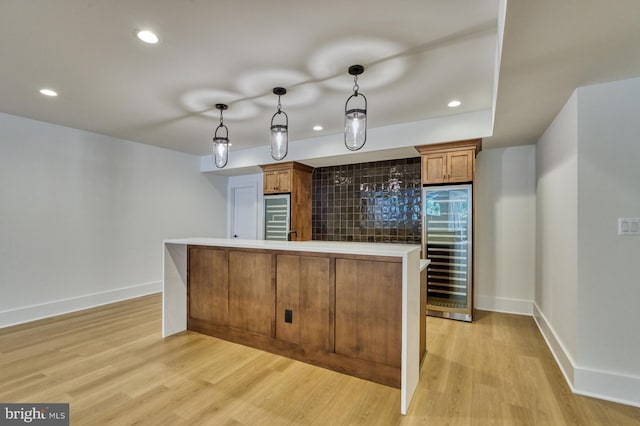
<point x="451" y="162"/>
<point x="282" y="177"/>
<point x="295" y="179"/>
<point x="277" y="181"/>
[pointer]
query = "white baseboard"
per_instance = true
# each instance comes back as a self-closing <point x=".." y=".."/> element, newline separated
<point x="607" y="385"/>
<point x="563" y="359"/>
<point x="63" y="306"/>
<point x="504" y="304"/>
<point x="614" y="387"/>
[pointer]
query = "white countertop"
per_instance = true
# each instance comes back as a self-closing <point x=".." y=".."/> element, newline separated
<point x="370" y="249"/>
<point x="424" y="263"/>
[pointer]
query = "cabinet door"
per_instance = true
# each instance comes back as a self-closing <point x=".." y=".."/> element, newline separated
<point x="277" y="181"/>
<point x="369" y="310"/>
<point x="303" y="288"/>
<point x="252" y="298"/>
<point x="208" y="285"/>
<point x="270" y="182"/>
<point x="284" y="180"/>
<point x="434" y="168"/>
<point x="460" y="166"/>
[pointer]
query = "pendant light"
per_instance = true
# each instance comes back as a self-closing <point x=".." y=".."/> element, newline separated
<point x="355" y="119"/>
<point x="279" y="132"/>
<point x="221" y="143"/>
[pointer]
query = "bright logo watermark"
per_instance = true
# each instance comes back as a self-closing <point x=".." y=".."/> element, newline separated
<point x="34" y="414"/>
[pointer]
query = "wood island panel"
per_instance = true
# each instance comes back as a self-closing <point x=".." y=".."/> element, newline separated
<point x="208" y="285"/>
<point x="369" y="310"/>
<point x="303" y="287"/>
<point x="346" y="308"/>
<point x="251" y="292"/>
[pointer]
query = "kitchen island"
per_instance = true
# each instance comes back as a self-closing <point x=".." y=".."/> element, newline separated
<point x="350" y="307"/>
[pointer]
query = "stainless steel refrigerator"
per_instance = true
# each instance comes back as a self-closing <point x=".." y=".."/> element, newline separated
<point x="277" y="217"/>
<point x="447" y="219"/>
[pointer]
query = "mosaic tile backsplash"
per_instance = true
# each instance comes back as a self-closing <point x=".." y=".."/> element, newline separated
<point x="370" y="202"/>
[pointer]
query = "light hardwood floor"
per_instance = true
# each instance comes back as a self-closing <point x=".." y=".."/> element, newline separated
<point x="112" y="365"/>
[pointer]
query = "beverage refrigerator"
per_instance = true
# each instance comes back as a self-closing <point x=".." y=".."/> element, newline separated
<point x="277" y="217"/>
<point x="447" y="220"/>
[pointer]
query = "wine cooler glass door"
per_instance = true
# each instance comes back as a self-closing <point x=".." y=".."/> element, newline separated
<point x="447" y="236"/>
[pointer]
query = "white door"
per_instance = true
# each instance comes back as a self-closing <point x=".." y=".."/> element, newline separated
<point x="244" y="214"/>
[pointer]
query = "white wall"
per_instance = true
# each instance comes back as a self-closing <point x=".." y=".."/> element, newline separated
<point x="83" y="216"/>
<point x="505" y="229"/>
<point x="556" y="229"/>
<point x="587" y="277"/>
<point x="608" y="264"/>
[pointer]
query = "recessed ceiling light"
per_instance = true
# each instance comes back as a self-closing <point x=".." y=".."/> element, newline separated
<point x="317" y="127"/>
<point x="455" y="103"/>
<point x="48" y="92"/>
<point x="147" y="36"/>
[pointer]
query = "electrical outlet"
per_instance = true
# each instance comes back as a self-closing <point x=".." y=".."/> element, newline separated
<point x="629" y="226"/>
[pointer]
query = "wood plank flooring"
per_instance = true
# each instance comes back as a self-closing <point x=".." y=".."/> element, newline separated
<point x="112" y="365"/>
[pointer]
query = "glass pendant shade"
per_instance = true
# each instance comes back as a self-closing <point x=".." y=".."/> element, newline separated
<point x="355" y="128"/>
<point x="355" y="118"/>
<point x="279" y="141"/>
<point x="221" y="151"/>
<point x="279" y="132"/>
<point x="221" y="143"/>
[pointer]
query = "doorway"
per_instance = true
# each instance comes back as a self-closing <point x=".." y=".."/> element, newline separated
<point x="244" y="212"/>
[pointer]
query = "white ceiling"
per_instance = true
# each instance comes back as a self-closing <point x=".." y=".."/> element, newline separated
<point x="418" y="54"/>
<point x="552" y="47"/>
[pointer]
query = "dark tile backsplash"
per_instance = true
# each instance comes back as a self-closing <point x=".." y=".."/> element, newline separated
<point x="371" y="202"/>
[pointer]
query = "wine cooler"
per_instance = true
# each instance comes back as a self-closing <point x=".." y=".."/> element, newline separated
<point x="447" y="242"/>
<point x="277" y="217"/>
